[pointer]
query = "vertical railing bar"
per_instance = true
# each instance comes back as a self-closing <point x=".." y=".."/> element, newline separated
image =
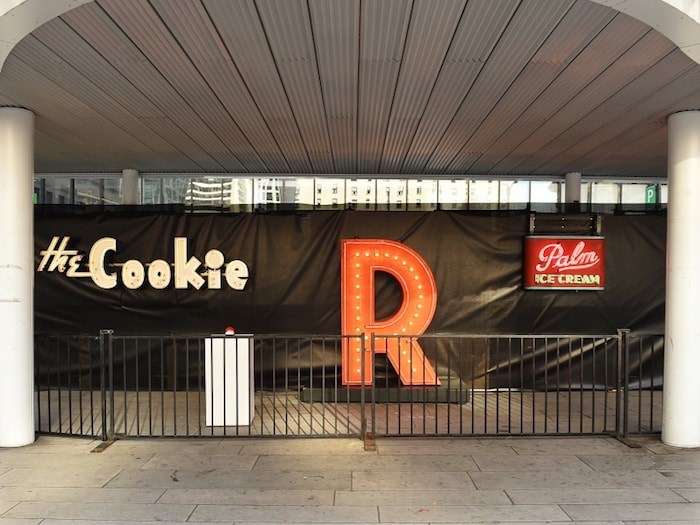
<point x="323" y="386"/>
<point x="80" y="385"/>
<point x="224" y="383"/>
<point x="110" y="355"/>
<point x="510" y="384"/>
<point x="311" y="391"/>
<point x="618" y="395"/>
<point x="58" y="387"/>
<point x="124" y="383"/>
<point x="373" y="400"/>
<point x="498" y="388"/>
<point x="534" y="382"/>
<point x="187" y="386"/>
<point x="581" y="385"/>
<point x="201" y="378"/>
<point x="594" y="384"/>
<point x="546" y="380"/>
<point x="363" y="384"/>
<point x="162" y="387"/>
<point x="558" y="388"/>
<point x="640" y="375"/>
<point x="626" y="355"/>
<point x="92" y="386"/>
<point x="175" y="342"/>
<point x="137" y="386"/>
<point x="522" y="385"/>
<point x="651" y="385"/>
<point x="103" y="383"/>
<point x="311" y="382"/>
<point x="473" y="386"/>
<point x="150" y="386"/>
<point x="286" y="388"/>
<point x="606" y="392"/>
<point x="570" y="365"/>
<point x="70" y="390"/>
<point x="486" y="384"/>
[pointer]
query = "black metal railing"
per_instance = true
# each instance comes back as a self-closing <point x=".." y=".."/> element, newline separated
<point x="291" y="385"/>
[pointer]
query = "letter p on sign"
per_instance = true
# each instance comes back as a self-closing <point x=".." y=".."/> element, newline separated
<point x="360" y="260"/>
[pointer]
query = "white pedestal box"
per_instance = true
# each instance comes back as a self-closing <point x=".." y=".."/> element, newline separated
<point x="228" y="381"/>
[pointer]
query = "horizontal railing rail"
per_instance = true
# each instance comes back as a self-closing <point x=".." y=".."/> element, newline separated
<point x="198" y="385"/>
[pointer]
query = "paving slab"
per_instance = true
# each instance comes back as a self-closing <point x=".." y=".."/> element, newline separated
<point x="174" y="446"/>
<point x="101" y="511"/>
<point x="549" y="479"/>
<point x="414" y="463"/>
<point x="286" y="514"/>
<point x="96" y="495"/>
<point x="233" y="479"/>
<point x="440" y="446"/>
<point x="470" y="496"/>
<point x="594" y="495"/>
<point x="249" y="497"/>
<point x="643" y="462"/>
<point x="501" y="463"/>
<point x="472" y="514"/>
<point x="377" y="480"/>
<point x="627" y="512"/>
<point x="309" y="447"/>
<point x="87" y="461"/>
<point x="570" y="445"/>
<point x="6" y="504"/>
<point x="692" y="495"/>
<point x="67" y="476"/>
<point x="200" y="461"/>
<point x="20" y="521"/>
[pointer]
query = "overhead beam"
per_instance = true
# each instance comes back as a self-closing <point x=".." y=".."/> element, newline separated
<point x="677" y="20"/>
<point x="18" y="18"/>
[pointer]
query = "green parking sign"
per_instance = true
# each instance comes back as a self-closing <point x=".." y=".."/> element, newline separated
<point x="650" y="194"/>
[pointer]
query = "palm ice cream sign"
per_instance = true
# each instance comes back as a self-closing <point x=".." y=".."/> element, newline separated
<point x="564" y="263"/>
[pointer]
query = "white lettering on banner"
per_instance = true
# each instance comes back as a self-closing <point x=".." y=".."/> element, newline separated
<point x="552" y="257"/>
<point x="134" y="273"/>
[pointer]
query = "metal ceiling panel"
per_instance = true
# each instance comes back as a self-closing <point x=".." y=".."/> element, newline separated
<point x="383" y="30"/>
<point x="623" y="72"/>
<point x="430" y="31"/>
<point x="531" y="25"/>
<point x="336" y="38"/>
<point x="142" y="25"/>
<point x="240" y="28"/>
<point x="136" y="81"/>
<point x="562" y="49"/>
<point x="195" y="33"/>
<point x="350" y="86"/>
<point x="287" y="26"/>
<point x="480" y="29"/>
<point x="578" y="87"/>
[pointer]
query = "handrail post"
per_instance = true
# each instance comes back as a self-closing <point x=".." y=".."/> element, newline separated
<point x="622" y="400"/>
<point x="107" y="389"/>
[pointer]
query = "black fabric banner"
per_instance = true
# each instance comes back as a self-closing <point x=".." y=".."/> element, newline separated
<point x="294" y="282"/>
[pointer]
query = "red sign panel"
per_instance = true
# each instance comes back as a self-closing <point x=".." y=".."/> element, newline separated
<point x="564" y="263"/>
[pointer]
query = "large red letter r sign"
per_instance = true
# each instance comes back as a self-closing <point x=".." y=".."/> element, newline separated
<point x="360" y="260"/>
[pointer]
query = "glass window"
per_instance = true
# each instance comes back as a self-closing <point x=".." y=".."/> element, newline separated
<point x="637" y="193"/>
<point x="663" y="193"/>
<point x="544" y="191"/>
<point x="206" y="191"/>
<point x="453" y="194"/>
<point x="514" y="194"/>
<point x="330" y="192"/>
<point x="605" y="193"/>
<point x="151" y="190"/>
<point x="362" y="193"/>
<point x="390" y="194"/>
<point x="174" y="190"/>
<point x="58" y="190"/>
<point x="421" y="194"/>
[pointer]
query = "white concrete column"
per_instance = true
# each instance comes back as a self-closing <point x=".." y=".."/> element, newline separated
<point x="130" y="187"/>
<point x="16" y="277"/>
<point x="681" y="400"/>
<point x="572" y="187"/>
